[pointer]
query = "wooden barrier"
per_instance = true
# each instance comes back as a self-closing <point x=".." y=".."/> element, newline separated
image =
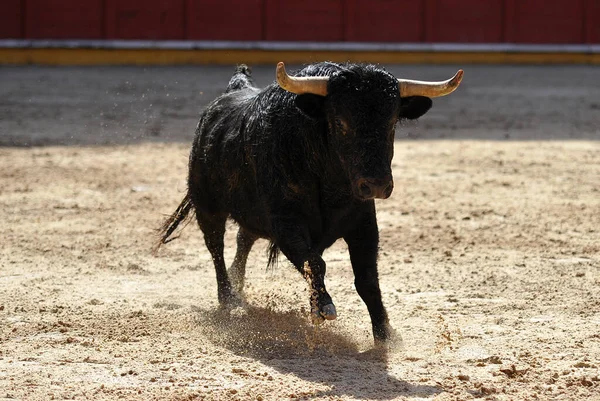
<point x="415" y="21"/>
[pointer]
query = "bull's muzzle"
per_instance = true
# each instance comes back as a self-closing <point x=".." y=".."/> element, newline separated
<point x="372" y="188"/>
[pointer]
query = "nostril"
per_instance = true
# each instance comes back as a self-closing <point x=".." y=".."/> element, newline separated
<point x="365" y="189"/>
<point x="370" y="188"/>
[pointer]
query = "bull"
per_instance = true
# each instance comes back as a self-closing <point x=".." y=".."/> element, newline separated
<point x="300" y="163"/>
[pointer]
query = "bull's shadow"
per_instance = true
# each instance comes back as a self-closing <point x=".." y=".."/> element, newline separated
<point x="287" y="342"/>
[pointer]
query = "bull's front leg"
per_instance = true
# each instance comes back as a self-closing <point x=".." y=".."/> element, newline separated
<point x="363" y="242"/>
<point x="321" y="304"/>
<point x="293" y="240"/>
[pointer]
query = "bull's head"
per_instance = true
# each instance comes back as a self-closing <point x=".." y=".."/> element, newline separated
<point x="362" y="105"/>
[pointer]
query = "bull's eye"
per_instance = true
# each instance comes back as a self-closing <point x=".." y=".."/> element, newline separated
<point x="341" y="125"/>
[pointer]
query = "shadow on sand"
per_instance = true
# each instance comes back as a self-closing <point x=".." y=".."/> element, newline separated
<point x="287" y="342"/>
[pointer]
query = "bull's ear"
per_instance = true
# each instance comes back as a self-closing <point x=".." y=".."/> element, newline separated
<point x="312" y="106"/>
<point x="413" y="107"/>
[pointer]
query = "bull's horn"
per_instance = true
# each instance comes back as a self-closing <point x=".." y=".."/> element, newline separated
<point x="300" y="85"/>
<point x="429" y="89"/>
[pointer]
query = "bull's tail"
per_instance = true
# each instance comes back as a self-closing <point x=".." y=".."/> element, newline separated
<point x="273" y="255"/>
<point x="181" y="214"/>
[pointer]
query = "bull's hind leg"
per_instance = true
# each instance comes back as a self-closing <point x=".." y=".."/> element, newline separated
<point x="213" y="227"/>
<point x="237" y="271"/>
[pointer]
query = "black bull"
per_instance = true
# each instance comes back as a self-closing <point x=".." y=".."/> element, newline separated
<point x="301" y="170"/>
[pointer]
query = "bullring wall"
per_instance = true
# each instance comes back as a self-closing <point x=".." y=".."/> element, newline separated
<point x="414" y="21"/>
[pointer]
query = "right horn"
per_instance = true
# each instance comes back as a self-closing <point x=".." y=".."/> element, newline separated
<point x="300" y="85"/>
<point x="409" y="87"/>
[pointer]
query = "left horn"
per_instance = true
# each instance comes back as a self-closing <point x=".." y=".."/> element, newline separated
<point x="429" y="89"/>
<point x="301" y="85"/>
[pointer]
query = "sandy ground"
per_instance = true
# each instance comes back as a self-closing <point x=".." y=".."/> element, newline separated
<point x="489" y="264"/>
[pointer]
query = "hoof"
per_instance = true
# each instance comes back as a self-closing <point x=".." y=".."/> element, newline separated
<point x="386" y="337"/>
<point x="231" y="301"/>
<point x="316" y="318"/>
<point x="329" y="312"/>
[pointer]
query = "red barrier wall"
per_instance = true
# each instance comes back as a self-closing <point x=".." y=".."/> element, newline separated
<point x="63" y="19"/>
<point x="456" y="21"/>
<point x="11" y="19"/>
<point x="245" y="19"/>
<point x="306" y="20"/>
<point x="385" y="21"/>
<point x="136" y="19"/>
<point x="592" y="21"/>
<point x="542" y="21"/>
<point x="465" y="21"/>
